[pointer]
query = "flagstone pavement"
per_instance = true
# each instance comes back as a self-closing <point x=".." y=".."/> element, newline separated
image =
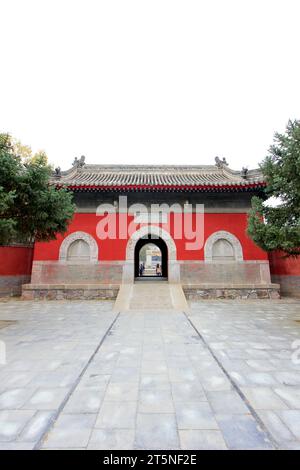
<point x="79" y="375"/>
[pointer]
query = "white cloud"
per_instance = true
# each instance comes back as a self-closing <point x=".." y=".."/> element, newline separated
<point x="136" y="81"/>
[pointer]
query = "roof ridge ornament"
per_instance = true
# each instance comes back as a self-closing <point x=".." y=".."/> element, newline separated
<point x="244" y="172"/>
<point x="221" y="163"/>
<point x="57" y="172"/>
<point x="79" y="162"/>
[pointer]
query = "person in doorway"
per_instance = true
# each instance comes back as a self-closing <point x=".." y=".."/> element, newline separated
<point x="158" y="269"/>
<point x="141" y="269"/>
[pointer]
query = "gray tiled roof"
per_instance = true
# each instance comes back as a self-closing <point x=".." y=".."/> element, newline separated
<point x="156" y="176"/>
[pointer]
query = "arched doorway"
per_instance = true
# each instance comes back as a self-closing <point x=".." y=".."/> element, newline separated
<point x="173" y="267"/>
<point x="160" y="257"/>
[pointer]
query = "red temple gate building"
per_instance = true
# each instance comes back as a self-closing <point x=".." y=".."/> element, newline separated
<point x="198" y="220"/>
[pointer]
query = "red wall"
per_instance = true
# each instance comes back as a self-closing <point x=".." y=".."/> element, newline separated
<point x="116" y="249"/>
<point x="15" y="260"/>
<point x="279" y="265"/>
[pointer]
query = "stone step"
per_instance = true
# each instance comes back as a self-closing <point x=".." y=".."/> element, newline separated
<point x="151" y="296"/>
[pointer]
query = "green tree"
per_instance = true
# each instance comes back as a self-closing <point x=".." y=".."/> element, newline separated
<point x="277" y="227"/>
<point x="30" y="208"/>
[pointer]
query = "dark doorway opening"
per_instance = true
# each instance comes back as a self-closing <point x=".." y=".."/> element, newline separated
<point x="159" y="257"/>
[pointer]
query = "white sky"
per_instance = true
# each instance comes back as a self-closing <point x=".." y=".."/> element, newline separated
<point x="156" y="81"/>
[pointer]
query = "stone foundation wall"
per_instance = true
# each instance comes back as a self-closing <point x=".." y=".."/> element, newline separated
<point x="58" y="272"/>
<point x="56" y="280"/>
<point x="188" y="272"/>
<point x="67" y="292"/>
<point x="110" y="292"/>
<point x="243" y="272"/>
<point x="234" y="292"/>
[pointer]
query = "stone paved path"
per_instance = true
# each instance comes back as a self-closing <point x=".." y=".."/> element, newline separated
<point x="255" y="344"/>
<point x="46" y="351"/>
<point x="78" y="375"/>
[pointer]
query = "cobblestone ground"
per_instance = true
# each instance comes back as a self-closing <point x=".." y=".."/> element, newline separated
<point x="78" y="375"/>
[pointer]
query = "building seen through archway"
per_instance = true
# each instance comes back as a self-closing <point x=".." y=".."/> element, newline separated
<point x="151" y="258"/>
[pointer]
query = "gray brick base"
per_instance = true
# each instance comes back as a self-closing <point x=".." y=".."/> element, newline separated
<point x="235" y="292"/>
<point x="69" y="292"/>
<point x="12" y="285"/>
<point x="105" y="291"/>
<point x="289" y="285"/>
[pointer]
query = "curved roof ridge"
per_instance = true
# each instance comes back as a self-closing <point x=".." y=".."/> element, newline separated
<point x="155" y="175"/>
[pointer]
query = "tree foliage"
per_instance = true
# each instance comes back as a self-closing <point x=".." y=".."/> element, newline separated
<point x="278" y="227"/>
<point x="30" y="208"/>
